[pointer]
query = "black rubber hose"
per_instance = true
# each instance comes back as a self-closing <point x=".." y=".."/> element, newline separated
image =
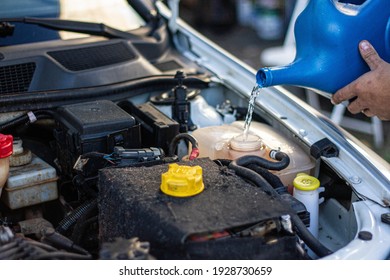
<point x="25" y="119"/>
<point x="282" y="163"/>
<point x="146" y="9"/>
<point x="223" y="162"/>
<point x="73" y="217"/>
<point x="80" y="226"/>
<point x="252" y="176"/>
<point x="39" y="100"/>
<point x="274" y="180"/>
<point x="313" y="243"/>
<point x="175" y="141"/>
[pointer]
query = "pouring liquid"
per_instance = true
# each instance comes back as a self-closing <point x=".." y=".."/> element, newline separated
<point x="248" y="119"/>
<point x="248" y="143"/>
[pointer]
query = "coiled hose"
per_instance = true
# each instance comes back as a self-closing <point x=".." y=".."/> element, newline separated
<point x="78" y="213"/>
<point x="252" y="176"/>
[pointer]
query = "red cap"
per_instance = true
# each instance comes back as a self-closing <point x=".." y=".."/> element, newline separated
<point x="194" y="153"/>
<point x="6" y="145"/>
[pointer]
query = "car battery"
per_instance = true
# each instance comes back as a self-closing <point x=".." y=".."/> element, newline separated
<point x="228" y="219"/>
<point x="96" y="126"/>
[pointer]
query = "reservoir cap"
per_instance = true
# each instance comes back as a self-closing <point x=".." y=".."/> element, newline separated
<point x="246" y="143"/>
<point x="6" y="143"/>
<point x="182" y="180"/>
<point x="306" y="182"/>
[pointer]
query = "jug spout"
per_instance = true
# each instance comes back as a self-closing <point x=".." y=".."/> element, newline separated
<point x="297" y="73"/>
<point x="281" y="75"/>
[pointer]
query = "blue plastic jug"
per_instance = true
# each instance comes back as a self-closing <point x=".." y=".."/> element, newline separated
<point x="327" y="34"/>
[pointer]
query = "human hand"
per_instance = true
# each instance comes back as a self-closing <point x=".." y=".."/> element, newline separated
<point x="371" y="90"/>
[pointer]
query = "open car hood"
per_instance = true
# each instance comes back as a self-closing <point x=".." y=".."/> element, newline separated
<point x="110" y="128"/>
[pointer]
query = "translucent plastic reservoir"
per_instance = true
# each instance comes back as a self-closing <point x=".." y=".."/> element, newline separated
<point x="218" y="142"/>
<point x="30" y="184"/>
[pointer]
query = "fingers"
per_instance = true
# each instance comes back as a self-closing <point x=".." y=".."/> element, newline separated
<point x="356" y="107"/>
<point x="345" y="93"/>
<point x="369" y="55"/>
<point x="368" y="112"/>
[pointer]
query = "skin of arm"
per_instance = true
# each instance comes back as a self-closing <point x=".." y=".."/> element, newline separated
<point x="371" y="91"/>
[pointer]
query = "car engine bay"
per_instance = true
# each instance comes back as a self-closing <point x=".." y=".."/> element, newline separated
<point x="96" y="125"/>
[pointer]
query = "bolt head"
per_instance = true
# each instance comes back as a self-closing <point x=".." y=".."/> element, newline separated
<point x="365" y="235"/>
<point x="355" y="179"/>
<point x="303" y="132"/>
<point x="385" y="218"/>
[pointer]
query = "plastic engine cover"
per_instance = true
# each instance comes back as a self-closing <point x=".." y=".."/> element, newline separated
<point x="132" y="205"/>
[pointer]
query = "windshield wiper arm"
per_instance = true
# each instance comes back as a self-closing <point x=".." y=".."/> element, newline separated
<point x="91" y="28"/>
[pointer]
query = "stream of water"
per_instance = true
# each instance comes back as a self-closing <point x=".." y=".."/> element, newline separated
<point x="248" y="119"/>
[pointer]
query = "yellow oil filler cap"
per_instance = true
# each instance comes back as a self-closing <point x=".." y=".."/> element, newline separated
<point x="182" y="180"/>
<point x="306" y="182"/>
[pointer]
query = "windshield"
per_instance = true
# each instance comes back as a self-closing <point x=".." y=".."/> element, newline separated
<point x="114" y="13"/>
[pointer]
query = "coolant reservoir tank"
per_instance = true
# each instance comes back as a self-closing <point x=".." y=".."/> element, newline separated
<point x="5" y="153"/>
<point x="224" y="142"/>
<point x="327" y="34"/>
